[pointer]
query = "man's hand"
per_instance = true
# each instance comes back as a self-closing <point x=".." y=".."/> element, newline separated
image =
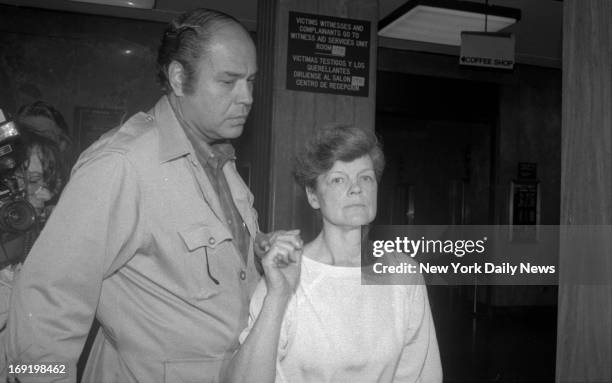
<point x="281" y="256"/>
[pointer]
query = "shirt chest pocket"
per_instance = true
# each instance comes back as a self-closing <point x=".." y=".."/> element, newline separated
<point x="206" y="245"/>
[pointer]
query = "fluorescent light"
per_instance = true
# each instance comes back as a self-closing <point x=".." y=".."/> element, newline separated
<point x="442" y="21"/>
<point x="143" y="4"/>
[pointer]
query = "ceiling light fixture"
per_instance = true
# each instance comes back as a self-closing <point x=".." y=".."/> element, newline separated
<point x="442" y="21"/>
<point x="142" y="4"/>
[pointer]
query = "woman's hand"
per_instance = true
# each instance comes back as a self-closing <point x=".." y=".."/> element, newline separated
<point x="281" y="260"/>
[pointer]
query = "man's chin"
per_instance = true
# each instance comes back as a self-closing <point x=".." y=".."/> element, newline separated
<point x="234" y="131"/>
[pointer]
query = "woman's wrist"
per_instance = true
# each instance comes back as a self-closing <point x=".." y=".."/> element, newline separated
<point x="279" y="299"/>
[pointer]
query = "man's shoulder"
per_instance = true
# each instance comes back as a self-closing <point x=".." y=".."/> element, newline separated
<point x="137" y="133"/>
<point x="137" y="138"/>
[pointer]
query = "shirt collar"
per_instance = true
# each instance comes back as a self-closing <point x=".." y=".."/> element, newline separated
<point x="174" y="142"/>
<point x="221" y="153"/>
<point x="215" y="155"/>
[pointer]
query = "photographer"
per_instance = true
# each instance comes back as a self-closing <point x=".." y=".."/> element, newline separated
<point x="37" y="179"/>
<point x="32" y="174"/>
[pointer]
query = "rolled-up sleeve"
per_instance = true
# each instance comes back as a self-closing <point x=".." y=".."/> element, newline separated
<point x="54" y="299"/>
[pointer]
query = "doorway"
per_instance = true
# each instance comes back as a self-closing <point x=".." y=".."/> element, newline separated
<point x="440" y="141"/>
<point x="438" y="172"/>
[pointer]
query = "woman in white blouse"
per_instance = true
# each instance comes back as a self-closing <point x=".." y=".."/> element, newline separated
<point x="335" y="329"/>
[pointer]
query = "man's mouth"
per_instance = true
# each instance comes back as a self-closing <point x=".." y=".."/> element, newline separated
<point x="355" y="205"/>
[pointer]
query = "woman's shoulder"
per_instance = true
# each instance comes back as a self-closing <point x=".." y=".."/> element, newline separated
<point x="311" y="252"/>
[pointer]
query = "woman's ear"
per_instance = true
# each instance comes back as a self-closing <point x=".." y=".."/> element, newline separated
<point x="176" y="77"/>
<point x="313" y="200"/>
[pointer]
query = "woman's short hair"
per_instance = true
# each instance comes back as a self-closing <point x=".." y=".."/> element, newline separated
<point x="185" y="41"/>
<point x="336" y="143"/>
<point x="55" y="169"/>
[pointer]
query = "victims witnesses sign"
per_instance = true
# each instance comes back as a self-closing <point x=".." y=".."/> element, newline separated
<point x="328" y="54"/>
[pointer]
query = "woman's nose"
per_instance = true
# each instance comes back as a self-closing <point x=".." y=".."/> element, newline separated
<point x="355" y="188"/>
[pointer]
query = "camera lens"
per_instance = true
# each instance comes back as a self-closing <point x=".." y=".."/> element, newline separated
<point x="17" y="216"/>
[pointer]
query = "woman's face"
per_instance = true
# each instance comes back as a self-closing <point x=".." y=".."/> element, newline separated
<point x="37" y="190"/>
<point x="346" y="194"/>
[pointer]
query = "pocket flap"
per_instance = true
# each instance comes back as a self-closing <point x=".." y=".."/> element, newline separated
<point x="200" y="235"/>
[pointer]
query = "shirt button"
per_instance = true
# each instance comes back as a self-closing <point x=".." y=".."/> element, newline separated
<point x="242" y="275"/>
<point x="229" y="221"/>
<point x="211" y="240"/>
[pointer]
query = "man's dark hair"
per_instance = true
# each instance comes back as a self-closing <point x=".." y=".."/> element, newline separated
<point x="186" y="40"/>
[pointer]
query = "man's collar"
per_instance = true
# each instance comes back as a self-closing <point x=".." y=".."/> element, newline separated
<point x="220" y="153"/>
<point x="214" y="155"/>
<point x="174" y="142"/>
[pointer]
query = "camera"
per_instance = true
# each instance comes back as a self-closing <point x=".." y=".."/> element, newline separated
<point x="17" y="215"/>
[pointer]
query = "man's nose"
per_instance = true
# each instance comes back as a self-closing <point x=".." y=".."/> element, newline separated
<point x="245" y="93"/>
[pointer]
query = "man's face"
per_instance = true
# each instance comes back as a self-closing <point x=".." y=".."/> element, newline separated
<point x="223" y="92"/>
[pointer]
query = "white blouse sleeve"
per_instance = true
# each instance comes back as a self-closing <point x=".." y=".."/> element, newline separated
<point x="287" y="328"/>
<point x="254" y="309"/>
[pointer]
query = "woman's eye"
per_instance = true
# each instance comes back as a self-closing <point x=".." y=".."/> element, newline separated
<point x="337" y="180"/>
<point x="367" y="178"/>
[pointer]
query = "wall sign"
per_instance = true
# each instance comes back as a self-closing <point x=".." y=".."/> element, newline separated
<point x="490" y="50"/>
<point x="527" y="171"/>
<point x="525" y="204"/>
<point x="328" y="54"/>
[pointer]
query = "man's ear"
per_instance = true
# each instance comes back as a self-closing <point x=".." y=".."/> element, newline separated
<point x="313" y="200"/>
<point x="176" y="77"/>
